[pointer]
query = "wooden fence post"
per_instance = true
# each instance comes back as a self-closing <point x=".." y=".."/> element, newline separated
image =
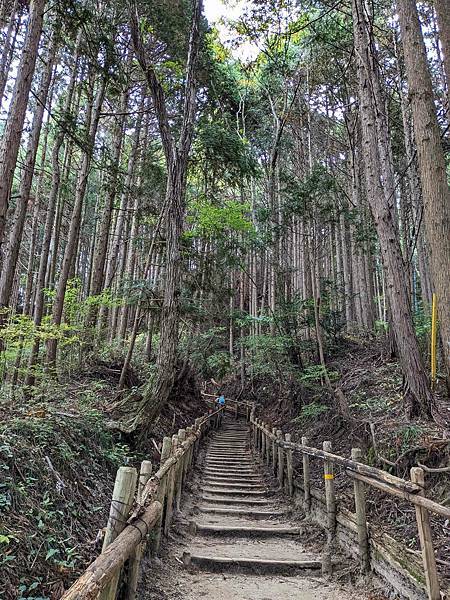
<point x="263" y="440"/>
<point x="198" y="428"/>
<point x="268" y="446"/>
<point x="274" y="451"/>
<point x="162" y="493"/>
<point x="187" y="462"/>
<point x="289" y="467"/>
<point x="426" y="540"/>
<point x="361" y="518"/>
<point x="280" y="459"/>
<point x="171" y="486"/>
<point x="180" y="469"/>
<point x="135" y="559"/>
<point x="306" y="477"/>
<point x="121" y="503"/>
<point x="328" y="474"/>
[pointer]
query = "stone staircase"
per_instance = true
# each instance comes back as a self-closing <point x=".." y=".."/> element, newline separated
<point x="240" y="522"/>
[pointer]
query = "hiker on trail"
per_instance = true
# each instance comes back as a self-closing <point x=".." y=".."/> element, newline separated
<point x="220" y="401"/>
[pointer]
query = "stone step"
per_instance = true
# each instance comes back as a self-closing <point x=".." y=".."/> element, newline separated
<point x="233" y="501"/>
<point x="258" y="565"/>
<point x="232" y="478"/>
<point x="230" y="484"/>
<point x="240" y="512"/>
<point x="234" y="492"/>
<point x="246" y="530"/>
<point x="217" y="471"/>
<point x="231" y="463"/>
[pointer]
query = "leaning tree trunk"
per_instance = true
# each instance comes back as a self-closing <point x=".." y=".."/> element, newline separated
<point x="432" y="168"/>
<point x="9" y="148"/>
<point x="418" y="390"/>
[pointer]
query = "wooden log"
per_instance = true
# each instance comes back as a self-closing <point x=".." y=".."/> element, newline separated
<point x="274" y="451"/>
<point x="171" y="487"/>
<point x="136" y="556"/>
<point x="415" y="499"/>
<point x="328" y="474"/>
<point x="101" y="571"/>
<point x="161" y="494"/>
<point x="121" y="503"/>
<point x="280" y="459"/>
<point x="306" y="476"/>
<point x="426" y="541"/>
<point x="361" y="468"/>
<point x="361" y="517"/>
<point x="289" y="468"/>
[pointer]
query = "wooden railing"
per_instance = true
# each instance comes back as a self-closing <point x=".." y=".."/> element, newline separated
<point x="277" y="450"/>
<point x="136" y="513"/>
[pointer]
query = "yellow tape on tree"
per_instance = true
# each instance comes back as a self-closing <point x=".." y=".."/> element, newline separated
<point x="328" y="476"/>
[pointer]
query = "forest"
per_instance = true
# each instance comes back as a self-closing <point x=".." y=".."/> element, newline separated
<point x="202" y="198"/>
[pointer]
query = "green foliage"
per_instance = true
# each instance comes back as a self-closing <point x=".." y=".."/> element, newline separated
<point x="221" y="148"/>
<point x="270" y="355"/>
<point x="49" y="483"/>
<point x="310" y="412"/>
<point x="408" y="435"/>
<point x="209" y="220"/>
<point x="206" y="351"/>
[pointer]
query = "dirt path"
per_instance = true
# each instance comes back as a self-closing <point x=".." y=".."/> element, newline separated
<point x="238" y="539"/>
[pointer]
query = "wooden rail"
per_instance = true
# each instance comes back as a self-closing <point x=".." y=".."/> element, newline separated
<point x="134" y="514"/>
<point x="270" y="442"/>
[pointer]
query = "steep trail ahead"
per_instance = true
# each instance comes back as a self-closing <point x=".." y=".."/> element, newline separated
<point x="237" y="538"/>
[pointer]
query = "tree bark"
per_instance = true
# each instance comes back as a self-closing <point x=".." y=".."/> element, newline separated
<point x="176" y="154"/>
<point x="443" y="19"/>
<point x="8" y="47"/>
<point x="15" y="238"/>
<point x="418" y="389"/>
<point x="9" y="147"/>
<point x="435" y="189"/>
<point x="93" y="116"/>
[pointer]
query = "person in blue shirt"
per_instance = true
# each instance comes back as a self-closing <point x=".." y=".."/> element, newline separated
<point x="221" y="400"/>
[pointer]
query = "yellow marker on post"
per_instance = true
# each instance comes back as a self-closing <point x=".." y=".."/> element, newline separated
<point x="433" y="339"/>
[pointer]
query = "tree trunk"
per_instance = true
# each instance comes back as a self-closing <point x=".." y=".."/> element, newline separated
<point x="9" y="44"/>
<point x="13" y="131"/>
<point x="419" y="393"/>
<point x="435" y="189"/>
<point x="176" y="154"/>
<point x="69" y="252"/>
<point x="443" y="19"/>
<point x="15" y="238"/>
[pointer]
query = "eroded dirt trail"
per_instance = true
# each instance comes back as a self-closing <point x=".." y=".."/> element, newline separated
<point x="237" y="538"/>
